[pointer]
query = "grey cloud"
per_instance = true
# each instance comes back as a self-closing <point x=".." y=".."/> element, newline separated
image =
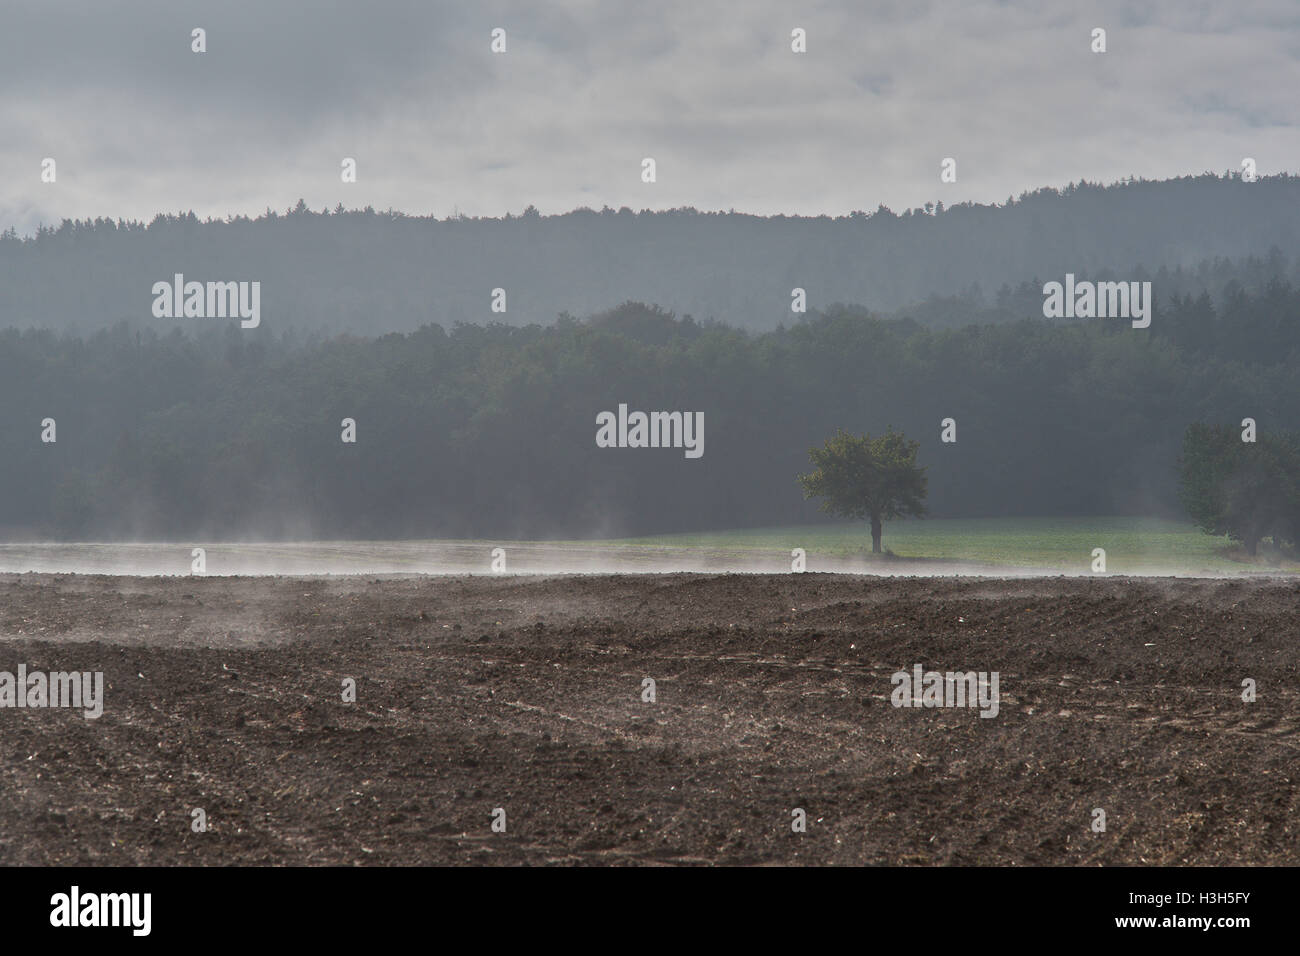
<point x="140" y="125"/>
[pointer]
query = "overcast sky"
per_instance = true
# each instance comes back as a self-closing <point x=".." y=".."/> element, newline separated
<point x="139" y="124"/>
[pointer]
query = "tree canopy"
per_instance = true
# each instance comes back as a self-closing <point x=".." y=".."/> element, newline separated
<point x="1247" y="490"/>
<point x="861" y="477"/>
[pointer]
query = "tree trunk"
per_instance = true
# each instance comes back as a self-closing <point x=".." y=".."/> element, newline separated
<point x="875" y="534"/>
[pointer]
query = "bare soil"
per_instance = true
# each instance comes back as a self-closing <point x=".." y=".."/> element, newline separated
<point x="773" y="693"/>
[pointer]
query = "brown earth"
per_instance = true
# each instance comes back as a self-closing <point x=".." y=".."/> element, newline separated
<point x="773" y="693"/>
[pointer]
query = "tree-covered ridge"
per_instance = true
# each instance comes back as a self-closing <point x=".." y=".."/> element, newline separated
<point x="369" y="272"/>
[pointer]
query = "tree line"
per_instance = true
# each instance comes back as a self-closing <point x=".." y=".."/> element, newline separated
<point x="490" y="431"/>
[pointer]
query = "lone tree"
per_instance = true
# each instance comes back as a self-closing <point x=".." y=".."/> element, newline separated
<point x="867" y="478"/>
<point x="1245" y="490"/>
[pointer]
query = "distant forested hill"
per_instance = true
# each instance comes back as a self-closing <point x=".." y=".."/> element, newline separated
<point x="368" y="273"/>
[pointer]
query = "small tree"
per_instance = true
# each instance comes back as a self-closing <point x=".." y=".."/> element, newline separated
<point x="1245" y="490"/>
<point x="867" y="478"/>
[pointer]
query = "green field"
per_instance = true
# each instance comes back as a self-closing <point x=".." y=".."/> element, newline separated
<point x="1132" y="545"/>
